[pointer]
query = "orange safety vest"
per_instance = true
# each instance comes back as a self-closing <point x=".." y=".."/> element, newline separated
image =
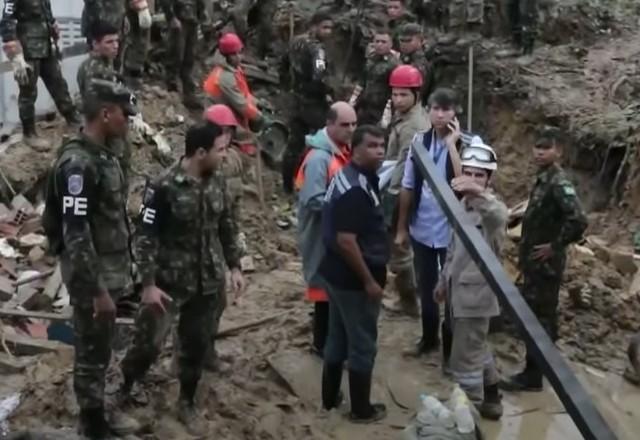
<point x="212" y="88"/>
<point x="338" y="161"/>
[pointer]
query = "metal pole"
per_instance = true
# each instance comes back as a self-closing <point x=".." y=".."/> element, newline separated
<point x="470" y="90"/>
<point x="573" y="396"/>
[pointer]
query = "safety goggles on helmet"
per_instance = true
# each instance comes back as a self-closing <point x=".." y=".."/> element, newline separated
<point x="479" y="156"/>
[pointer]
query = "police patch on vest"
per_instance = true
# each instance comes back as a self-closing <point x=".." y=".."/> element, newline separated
<point x="75" y="182"/>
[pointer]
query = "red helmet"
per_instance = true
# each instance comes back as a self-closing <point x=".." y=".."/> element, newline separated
<point x="230" y="44"/>
<point x="221" y="115"/>
<point x="406" y="77"/>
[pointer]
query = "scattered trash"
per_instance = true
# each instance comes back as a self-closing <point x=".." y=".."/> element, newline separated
<point x="6" y="250"/>
<point x="31" y="240"/>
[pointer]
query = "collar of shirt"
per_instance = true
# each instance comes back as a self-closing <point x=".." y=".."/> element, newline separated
<point x="372" y="176"/>
<point x="545" y="174"/>
<point x="182" y="177"/>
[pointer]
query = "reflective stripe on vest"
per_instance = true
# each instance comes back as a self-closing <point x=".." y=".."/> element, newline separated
<point x="212" y="88"/>
<point x="338" y="161"/>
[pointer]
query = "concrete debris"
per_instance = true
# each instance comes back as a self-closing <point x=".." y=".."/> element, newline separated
<point x="20" y="202"/>
<point x="6" y="250"/>
<point x="31" y="240"/>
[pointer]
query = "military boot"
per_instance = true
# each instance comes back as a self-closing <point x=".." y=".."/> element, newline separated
<point x="528" y="380"/>
<point x="491" y="406"/>
<point x="362" y="410"/>
<point x="92" y="424"/>
<point x="121" y="424"/>
<point x="31" y="138"/>
<point x="194" y="423"/>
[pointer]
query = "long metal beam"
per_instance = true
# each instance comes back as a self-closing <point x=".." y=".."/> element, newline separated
<point x="575" y="399"/>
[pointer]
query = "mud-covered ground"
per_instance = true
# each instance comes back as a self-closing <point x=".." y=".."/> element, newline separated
<point x="269" y="385"/>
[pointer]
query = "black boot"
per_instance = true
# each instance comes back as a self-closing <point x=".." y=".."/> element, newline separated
<point x="362" y="410"/>
<point x="529" y="380"/>
<point x="447" y="340"/>
<point x="93" y="424"/>
<point x="320" y="328"/>
<point x="491" y="406"/>
<point x="331" y="381"/>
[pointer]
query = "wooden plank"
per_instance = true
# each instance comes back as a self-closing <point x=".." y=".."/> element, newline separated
<point x="50" y="316"/>
<point x="15" y="364"/>
<point x="25" y="346"/>
<point x="53" y="283"/>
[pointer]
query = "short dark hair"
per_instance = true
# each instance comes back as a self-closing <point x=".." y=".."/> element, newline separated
<point x="362" y="131"/>
<point x="332" y="115"/>
<point x="443" y="97"/>
<point x="101" y="29"/>
<point x="202" y="136"/>
<point x="319" y="16"/>
<point x="411" y="30"/>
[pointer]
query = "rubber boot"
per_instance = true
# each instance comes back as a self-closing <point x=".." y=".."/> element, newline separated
<point x="528" y="380"/>
<point x="362" y="410"/>
<point x="491" y="406"/>
<point x="30" y="138"/>
<point x="195" y="424"/>
<point x="93" y="424"/>
<point x="320" y="327"/>
<point x="447" y="341"/>
<point x="331" y="381"/>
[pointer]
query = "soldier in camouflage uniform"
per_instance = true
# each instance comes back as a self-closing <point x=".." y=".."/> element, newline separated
<point x="30" y="35"/>
<point x="100" y="65"/>
<point x="183" y="17"/>
<point x="412" y="52"/>
<point x="398" y="16"/>
<point x="86" y="223"/>
<point x="264" y="11"/>
<point x="543" y="247"/>
<point x="309" y="68"/>
<point x="185" y="242"/>
<point x="375" y="82"/>
<point x="136" y="41"/>
<point x="524" y="20"/>
<point x="466" y="14"/>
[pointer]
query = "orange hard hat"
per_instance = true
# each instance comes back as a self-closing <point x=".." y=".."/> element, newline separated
<point x="230" y="44"/>
<point x="221" y="115"/>
<point x="405" y="76"/>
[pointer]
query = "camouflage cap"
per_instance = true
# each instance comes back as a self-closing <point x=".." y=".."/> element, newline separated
<point x="104" y="91"/>
<point x="410" y="30"/>
<point x="548" y="135"/>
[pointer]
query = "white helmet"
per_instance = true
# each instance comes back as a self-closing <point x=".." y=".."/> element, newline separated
<point x="479" y="155"/>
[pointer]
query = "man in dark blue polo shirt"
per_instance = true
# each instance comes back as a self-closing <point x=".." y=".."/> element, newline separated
<point x="354" y="272"/>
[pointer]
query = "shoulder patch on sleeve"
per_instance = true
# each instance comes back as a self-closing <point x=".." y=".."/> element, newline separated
<point x="75" y="183"/>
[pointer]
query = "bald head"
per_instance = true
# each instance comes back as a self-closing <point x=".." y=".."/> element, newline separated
<point x="341" y="122"/>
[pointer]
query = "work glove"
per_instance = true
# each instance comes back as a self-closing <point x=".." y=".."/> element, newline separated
<point x="144" y="15"/>
<point x="386" y="115"/>
<point x="355" y="95"/>
<point x="21" y="69"/>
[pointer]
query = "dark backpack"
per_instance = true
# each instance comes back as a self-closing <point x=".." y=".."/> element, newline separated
<point x="52" y="215"/>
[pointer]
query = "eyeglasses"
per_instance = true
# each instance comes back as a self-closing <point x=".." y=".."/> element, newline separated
<point x="479" y="154"/>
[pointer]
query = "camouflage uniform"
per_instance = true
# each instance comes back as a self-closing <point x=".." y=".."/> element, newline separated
<point x="465" y="12"/>
<point x="395" y="24"/>
<point x="553" y="197"/>
<point x="183" y="41"/>
<point x="90" y="190"/>
<point x="308" y="65"/>
<point x="524" y="20"/>
<point x="97" y="67"/>
<point x="376" y="90"/>
<point x="109" y="11"/>
<point x="419" y="60"/>
<point x="136" y="46"/>
<point x="31" y="22"/>
<point x="264" y="11"/>
<point x="186" y="239"/>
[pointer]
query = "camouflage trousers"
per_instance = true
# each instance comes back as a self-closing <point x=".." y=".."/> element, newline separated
<point x="307" y="117"/>
<point x="49" y="70"/>
<point x="542" y="293"/>
<point x="182" y="53"/>
<point x="524" y="17"/>
<point x="471" y="361"/>
<point x="463" y="12"/>
<point x="136" y="45"/>
<point x="195" y="326"/>
<point x="92" y="340"/>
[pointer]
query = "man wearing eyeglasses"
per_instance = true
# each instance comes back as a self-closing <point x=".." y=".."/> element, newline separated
<point x="328" y="151"/>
